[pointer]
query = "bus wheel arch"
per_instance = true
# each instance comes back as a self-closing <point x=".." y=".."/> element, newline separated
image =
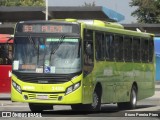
<point x="96" y="105"/>
<point x="133" y="98"/>
<point x="98" y="88"/>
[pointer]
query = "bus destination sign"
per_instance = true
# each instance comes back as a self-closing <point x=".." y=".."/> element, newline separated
<point x="45" y="28"/>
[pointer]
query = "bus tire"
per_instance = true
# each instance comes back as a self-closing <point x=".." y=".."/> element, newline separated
<point x="133" y="100"/>
<point x="96" y="105"/>
<point x="39" y="107"/>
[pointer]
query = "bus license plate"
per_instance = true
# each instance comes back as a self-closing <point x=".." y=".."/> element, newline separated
<point x="43" y="97"/>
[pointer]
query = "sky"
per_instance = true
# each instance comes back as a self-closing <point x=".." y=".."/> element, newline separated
<point x="121" y="6"/>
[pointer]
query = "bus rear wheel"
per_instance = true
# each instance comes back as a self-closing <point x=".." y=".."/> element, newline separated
<point x="133" y="100"/>
<point x="39" y="107"/>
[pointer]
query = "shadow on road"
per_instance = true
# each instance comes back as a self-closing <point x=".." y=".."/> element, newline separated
<point x="144" y="106"/>
<point x="107" y="111"/>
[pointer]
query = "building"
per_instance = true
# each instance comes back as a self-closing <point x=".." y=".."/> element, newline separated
<point x="11" y="15"/>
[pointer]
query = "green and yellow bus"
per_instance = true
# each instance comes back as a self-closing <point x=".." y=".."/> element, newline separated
<point x="81" y="63"/>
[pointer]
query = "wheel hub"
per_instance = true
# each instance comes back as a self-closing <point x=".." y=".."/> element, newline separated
<point x="95" y="100"/>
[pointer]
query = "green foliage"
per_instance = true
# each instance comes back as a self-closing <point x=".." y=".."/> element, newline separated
<point x="148" y="11"/>
<point x="22" y="3"/>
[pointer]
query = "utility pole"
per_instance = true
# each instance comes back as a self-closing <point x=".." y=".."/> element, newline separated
<point x="46" y="10"/>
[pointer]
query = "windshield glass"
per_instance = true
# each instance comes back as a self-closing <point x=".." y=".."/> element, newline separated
<point x="47" y="55"/>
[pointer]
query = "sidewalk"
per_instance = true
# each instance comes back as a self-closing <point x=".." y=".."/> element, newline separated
<point x="157" y="87"/>
<point x="5" y="96"/>
<point x="157" y="82"/>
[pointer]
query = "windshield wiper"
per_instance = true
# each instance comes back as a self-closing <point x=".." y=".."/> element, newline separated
<point x="37" y="49"/>
<point x="54" y="50"/>
<point x="31" y="41"/>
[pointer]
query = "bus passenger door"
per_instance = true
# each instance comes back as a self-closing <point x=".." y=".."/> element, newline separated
<point x="88" y="64"/>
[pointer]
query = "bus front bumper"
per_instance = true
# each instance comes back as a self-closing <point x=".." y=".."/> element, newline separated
<point x="49" y="98"/>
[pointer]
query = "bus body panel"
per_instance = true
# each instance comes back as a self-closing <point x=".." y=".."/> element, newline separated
<point x="47" y="93"/>
<point x="6" y="40"/>
<point x="117" y="77"/>
<point x="117" y="80"/>
<point x="5" y="78"/>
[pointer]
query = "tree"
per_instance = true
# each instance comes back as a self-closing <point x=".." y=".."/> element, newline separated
<point x="147" y="10"/>
<point x="22" y="3"/>
<point x="89" y="4"/>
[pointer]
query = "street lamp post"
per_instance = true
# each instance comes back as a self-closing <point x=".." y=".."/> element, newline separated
<point x="46" y="10"/>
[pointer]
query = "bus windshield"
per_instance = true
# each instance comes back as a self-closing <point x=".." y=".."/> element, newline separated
<point x="47" y="55"/>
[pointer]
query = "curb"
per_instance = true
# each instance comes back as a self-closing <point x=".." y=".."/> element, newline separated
<point x="5" y="96"/>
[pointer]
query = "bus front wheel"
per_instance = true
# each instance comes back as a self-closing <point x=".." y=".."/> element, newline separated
<point x="96" y="104"/>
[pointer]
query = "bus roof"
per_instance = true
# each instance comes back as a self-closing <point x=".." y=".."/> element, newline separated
<point x="112" y="27"/>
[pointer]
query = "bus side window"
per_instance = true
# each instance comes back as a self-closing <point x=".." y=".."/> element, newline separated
<point x="136" y="49"/>
<point x="128" y="49"/>
<point x="100" y="46"/>
<point x="109" y="47"/>
<point x="1" y="54"/>
<point x="151" y="49"/>
<point x="118" y="46"/>
<point x="10" y="50"/>
<point x="144" y="50"/>
<point x="88" y="51"/>
<point x="107" y="40"/>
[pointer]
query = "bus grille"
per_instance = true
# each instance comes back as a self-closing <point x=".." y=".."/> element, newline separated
<point x="50" y="96"/>
<point x="44" y="78"/>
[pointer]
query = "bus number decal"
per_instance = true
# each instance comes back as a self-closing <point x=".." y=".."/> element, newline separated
<point x="58" y="88"/>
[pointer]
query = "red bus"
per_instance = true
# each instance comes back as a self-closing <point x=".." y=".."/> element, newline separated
<point x="6" y="48"/>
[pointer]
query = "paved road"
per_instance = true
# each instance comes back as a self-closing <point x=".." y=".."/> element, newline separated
<point x="146" y="107"/>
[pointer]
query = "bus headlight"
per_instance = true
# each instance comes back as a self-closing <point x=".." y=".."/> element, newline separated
<point x="73" y="87"/>
<point x="17" y="87"/>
